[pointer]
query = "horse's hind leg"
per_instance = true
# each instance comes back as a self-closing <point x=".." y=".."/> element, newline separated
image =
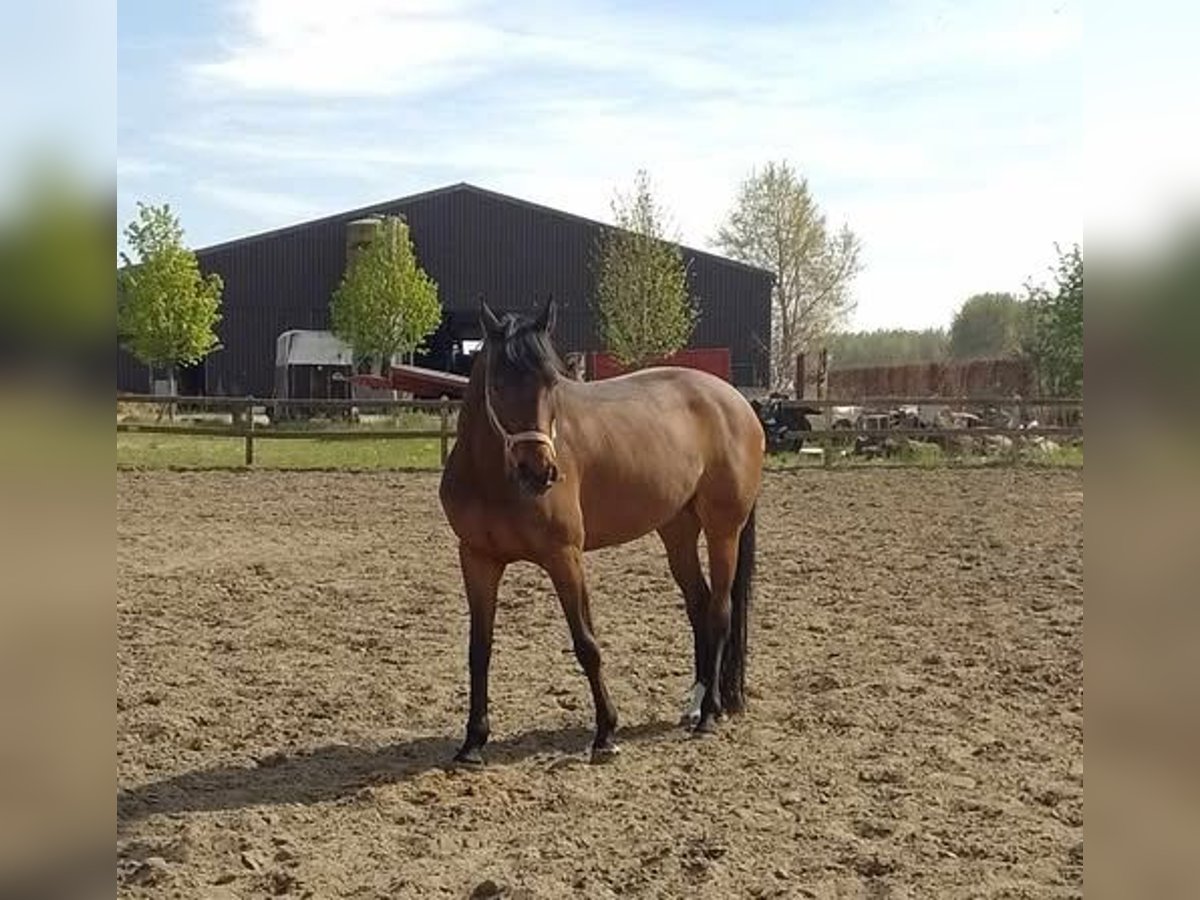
<point x="722" y="566"/>
<point x="566" y="571"/>
<point x="680" y="537"/>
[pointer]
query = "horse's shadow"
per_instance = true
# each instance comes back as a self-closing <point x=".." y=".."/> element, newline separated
<point x="331" y="772"/>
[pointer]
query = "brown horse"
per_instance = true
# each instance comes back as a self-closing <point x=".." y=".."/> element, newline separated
<point x="546" y="468"/>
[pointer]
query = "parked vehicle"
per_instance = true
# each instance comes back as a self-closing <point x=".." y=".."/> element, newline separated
<point x="784" y="426"/>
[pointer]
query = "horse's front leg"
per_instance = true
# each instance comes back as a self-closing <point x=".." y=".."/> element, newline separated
<point x="566" y="571"/>
<point x="481" y="576"/>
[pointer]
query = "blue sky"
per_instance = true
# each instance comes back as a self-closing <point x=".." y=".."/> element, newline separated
<point x="948" y="135"/>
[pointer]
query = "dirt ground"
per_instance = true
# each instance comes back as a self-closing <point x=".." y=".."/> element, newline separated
<point x="292" y="683"/>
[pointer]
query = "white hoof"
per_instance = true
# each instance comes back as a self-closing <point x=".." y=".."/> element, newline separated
<point x="601" y="755"/>
<point x="691" y="712"/>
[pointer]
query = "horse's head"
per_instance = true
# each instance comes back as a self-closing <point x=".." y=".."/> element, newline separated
<point x="521" y="372"/>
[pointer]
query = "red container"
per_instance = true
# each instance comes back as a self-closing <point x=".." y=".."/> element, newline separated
<point x="428" y="384"/>
<point x="708" y="359"/>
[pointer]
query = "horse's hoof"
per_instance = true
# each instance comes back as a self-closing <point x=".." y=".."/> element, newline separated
<point x="695" y="702"/>
<point x="692" y="719"/>
<point x="706" y="727"/>
<point x="735" y="706"/>
<point x="604" y="753"/>
<point x="689" y="719"/>
<point x="469" y="758"/>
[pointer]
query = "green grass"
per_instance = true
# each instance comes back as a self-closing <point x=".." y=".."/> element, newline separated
<point x="168" y="451"/>
<point x="171" y="451"/>
<point x="408" y="420"/>
<point x="1069" y="457"/>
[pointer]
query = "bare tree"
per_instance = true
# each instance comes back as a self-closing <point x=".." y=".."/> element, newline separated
<point x="775" y="224"/>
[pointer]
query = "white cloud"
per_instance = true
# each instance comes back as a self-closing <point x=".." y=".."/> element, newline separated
<point x="946" y="134"/>
<point x="346" y="158"/>
<point x="356" y="48"/>
<point x="266" y="207"/>
<point x="932" y="251"/>
<point x="131" y="168"/>
<point x="372" y="48"/>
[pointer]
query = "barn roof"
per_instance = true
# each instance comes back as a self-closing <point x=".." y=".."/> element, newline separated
<point x="460" y="187"/>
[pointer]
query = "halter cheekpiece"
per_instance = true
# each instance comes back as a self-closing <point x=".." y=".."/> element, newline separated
<point x="511" y="439"/>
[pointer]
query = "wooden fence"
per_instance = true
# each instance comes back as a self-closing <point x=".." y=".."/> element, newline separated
<point x="828" y="435"/>
<point x="242" y="425"/>
<point x="242" y="419"/>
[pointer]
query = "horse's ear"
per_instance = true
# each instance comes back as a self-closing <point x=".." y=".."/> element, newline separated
<point x="488" y="321"/>
<point x="545" y="322"/>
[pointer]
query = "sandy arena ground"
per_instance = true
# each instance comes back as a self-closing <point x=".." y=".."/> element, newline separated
<point x="292" y="684"/>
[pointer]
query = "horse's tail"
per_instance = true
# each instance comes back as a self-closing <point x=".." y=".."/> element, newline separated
<point x="733" y="660"/>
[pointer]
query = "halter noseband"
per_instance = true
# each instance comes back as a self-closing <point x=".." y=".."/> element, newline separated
<point x="521" y="437"/>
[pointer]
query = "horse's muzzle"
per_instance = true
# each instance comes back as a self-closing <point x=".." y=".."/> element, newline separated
<point x="536" y="480"/>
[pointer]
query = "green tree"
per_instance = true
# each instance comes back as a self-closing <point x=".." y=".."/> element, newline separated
<point x="642" y="303"/>
<point x="1055" y="339"/>
<point x="776" y="224"/>
<point x="168" y="310"/>
<point x="988" y="325"/>
<point x="892" y="346"/>
<point x="385" y="304"/>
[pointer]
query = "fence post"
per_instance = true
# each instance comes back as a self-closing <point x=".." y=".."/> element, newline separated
<point x="445" y="427"/>
<point x="1018" y="442"/>
<point x="827" y="442"/>
<point x="249" y="426"/>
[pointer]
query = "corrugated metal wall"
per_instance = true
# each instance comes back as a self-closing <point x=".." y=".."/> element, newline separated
<point x="471" y="242"/>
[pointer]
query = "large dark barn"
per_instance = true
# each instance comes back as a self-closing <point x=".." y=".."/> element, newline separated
<point x="471" y="242"/>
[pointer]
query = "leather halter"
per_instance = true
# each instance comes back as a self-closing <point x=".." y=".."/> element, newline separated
<point x="511" y="439"/>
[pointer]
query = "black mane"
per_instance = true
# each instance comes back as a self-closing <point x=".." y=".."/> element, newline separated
<point x="527" y="349"/>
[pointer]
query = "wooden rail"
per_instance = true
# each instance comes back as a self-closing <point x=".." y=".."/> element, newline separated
<point x="243" y="425"/>
<point x="828" y="434"/>
<point x="885" y="401"/>
<point x="284" y="402"/>
<point x="978" y="431"/>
